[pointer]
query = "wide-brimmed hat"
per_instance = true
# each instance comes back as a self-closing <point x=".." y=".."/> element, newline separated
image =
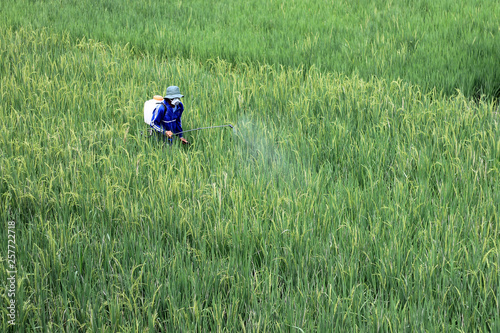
<point x="173" y="92"/>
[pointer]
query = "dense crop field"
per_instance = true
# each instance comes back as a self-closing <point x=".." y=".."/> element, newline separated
<point x="446" y="44"/>
<point x="338" y="203"/>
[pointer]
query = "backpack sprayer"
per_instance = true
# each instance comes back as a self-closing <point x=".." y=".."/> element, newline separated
<point x="150" y="106"/>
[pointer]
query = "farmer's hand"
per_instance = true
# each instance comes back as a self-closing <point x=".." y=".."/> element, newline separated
<point x="169" y="133"/>
<point x="184" y="141"/>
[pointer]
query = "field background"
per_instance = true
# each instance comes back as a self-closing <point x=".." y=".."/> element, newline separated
<point x="444" y="44"/>
<point x="358" y="192"/>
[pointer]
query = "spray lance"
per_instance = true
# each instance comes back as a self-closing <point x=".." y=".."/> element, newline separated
<point x="201" y="128"/>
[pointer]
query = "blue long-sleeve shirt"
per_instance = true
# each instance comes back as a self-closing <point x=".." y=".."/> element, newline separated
<point x="167" y="118"/>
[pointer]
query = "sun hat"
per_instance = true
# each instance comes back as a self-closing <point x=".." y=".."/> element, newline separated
<point x="173" y="92"/>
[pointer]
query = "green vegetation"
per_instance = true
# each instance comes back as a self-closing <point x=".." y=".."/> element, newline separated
<point x="446" y="44"/>
<point x="338" y="203"/>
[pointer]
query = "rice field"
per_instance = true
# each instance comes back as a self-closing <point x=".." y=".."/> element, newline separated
<point x="338" y="203"/>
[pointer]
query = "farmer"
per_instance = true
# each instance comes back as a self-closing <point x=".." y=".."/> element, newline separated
<point x="167" y="115"/>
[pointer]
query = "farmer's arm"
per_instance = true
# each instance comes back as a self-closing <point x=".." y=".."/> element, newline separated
<point x="178" y="127"/>
<point x="157" y="117"/>
<point x="178" y="122"/>
<point x="156" y="121"/>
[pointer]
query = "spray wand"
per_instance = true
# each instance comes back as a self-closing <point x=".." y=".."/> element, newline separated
<point x="200" y="128"/>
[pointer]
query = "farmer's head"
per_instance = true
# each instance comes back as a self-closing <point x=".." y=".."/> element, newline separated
<point x="173" y="93"/>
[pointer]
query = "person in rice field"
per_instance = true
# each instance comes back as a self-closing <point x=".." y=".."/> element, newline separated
<point x="166" y="118"/>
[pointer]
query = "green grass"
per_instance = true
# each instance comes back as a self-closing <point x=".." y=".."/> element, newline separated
<point x="338" y="203"/>
<point x="445" y="44"/>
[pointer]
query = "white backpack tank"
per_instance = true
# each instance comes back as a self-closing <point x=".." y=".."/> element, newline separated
<point x="150" y="106"/>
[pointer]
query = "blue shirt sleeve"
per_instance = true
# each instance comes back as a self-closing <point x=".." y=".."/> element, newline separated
<point x="178" y="122"/>
<point x="157" y="117"/>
